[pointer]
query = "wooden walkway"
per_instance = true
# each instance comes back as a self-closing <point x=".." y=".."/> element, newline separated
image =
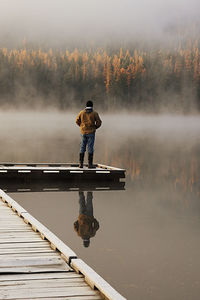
<point x="35" y="264"/>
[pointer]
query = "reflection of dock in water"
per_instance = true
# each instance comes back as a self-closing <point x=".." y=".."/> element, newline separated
<point x="19" y="186"/>
<point x="33" y="259"/>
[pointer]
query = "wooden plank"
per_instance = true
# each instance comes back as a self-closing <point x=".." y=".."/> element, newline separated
<point x="39" y="276"/>
<point x="11" y="218"/>
<point x="29" y="255"/>
<point x="4" y="164"/>
<point x="11" y="222"/>
<point x="16" y="227"/>
<point x="33" y="269"/>
<point x="41" y="285"/>
<point x="26" y="250"/>
<point x="14" y="230"/>
<point x="109" y="168"/>
<point x="16" y="222"/>
<point x="68" y="291"/>
<point x="5" y="209"/>
<point x="39" y="244"/>
<point x="20" y="220"/>
<point x="43" y="282"/>
<point x="93" y="297"/>
<point x="8" y="216"/>
<point x="18" y="240"/>
<point x="16" y="262"/>
<point x="4" y="225"/>
<point x="21" y="235"/>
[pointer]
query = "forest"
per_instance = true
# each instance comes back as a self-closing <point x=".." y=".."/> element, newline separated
<point x="153" y="79"/>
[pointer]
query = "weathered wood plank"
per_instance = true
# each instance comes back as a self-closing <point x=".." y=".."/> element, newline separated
<point x="14" y="230"/>
<point x="34" y="269"/>
<point x="68" y="291"/>
<point x="16" y="236"/>
<point x="42" y="244"/>
<point x="8" y="218"/>
<point x="39" y="276"/>
<point x="11" y="222"/>
<point x="17" y="262"/>
<point x="29" y="255"/>
<point x="26" y="250"/>
<point x="18" y="240"/>
<point x="93" y="297"/>
<point x="21" y="234"/>
<point x="41" y="283"/>
<point x="5" y="209"/>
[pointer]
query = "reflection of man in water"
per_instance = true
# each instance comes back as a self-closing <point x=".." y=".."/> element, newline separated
<point x="86" y="225"/>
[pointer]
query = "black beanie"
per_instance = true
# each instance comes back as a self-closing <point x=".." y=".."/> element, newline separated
<point x="89" y="103"/>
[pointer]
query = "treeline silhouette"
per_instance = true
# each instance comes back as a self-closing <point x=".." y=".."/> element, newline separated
<point x="128" y="78"/>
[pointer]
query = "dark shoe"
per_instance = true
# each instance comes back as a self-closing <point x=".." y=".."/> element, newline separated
<point x="81" y="159"/>
<point x="90" y="161"/>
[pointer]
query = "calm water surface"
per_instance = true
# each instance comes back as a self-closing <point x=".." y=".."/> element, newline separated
<point x="147" y="245"/>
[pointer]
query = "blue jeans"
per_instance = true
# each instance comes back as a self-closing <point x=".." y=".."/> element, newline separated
<point x="87" y="140"/>
<point x="86" y="207"/>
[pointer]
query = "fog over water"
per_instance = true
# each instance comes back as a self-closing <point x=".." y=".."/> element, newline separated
<point x="31" y="134"/>
<point x="147" y="244"/>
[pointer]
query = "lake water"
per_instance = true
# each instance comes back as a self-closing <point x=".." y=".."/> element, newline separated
<point x="147" y="245"/>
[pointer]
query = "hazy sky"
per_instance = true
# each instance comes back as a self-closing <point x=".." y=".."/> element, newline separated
<point x="93" y="19"/>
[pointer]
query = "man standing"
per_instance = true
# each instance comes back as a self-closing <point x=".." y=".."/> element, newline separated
<point x="89" y="121"/>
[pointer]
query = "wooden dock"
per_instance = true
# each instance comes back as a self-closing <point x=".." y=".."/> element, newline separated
<point x="35" y="264"/>
<point x="59" y="171"/>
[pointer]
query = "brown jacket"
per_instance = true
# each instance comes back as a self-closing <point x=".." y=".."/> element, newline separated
<point x="86" y="226"/>
<point x="88" y="121"/>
